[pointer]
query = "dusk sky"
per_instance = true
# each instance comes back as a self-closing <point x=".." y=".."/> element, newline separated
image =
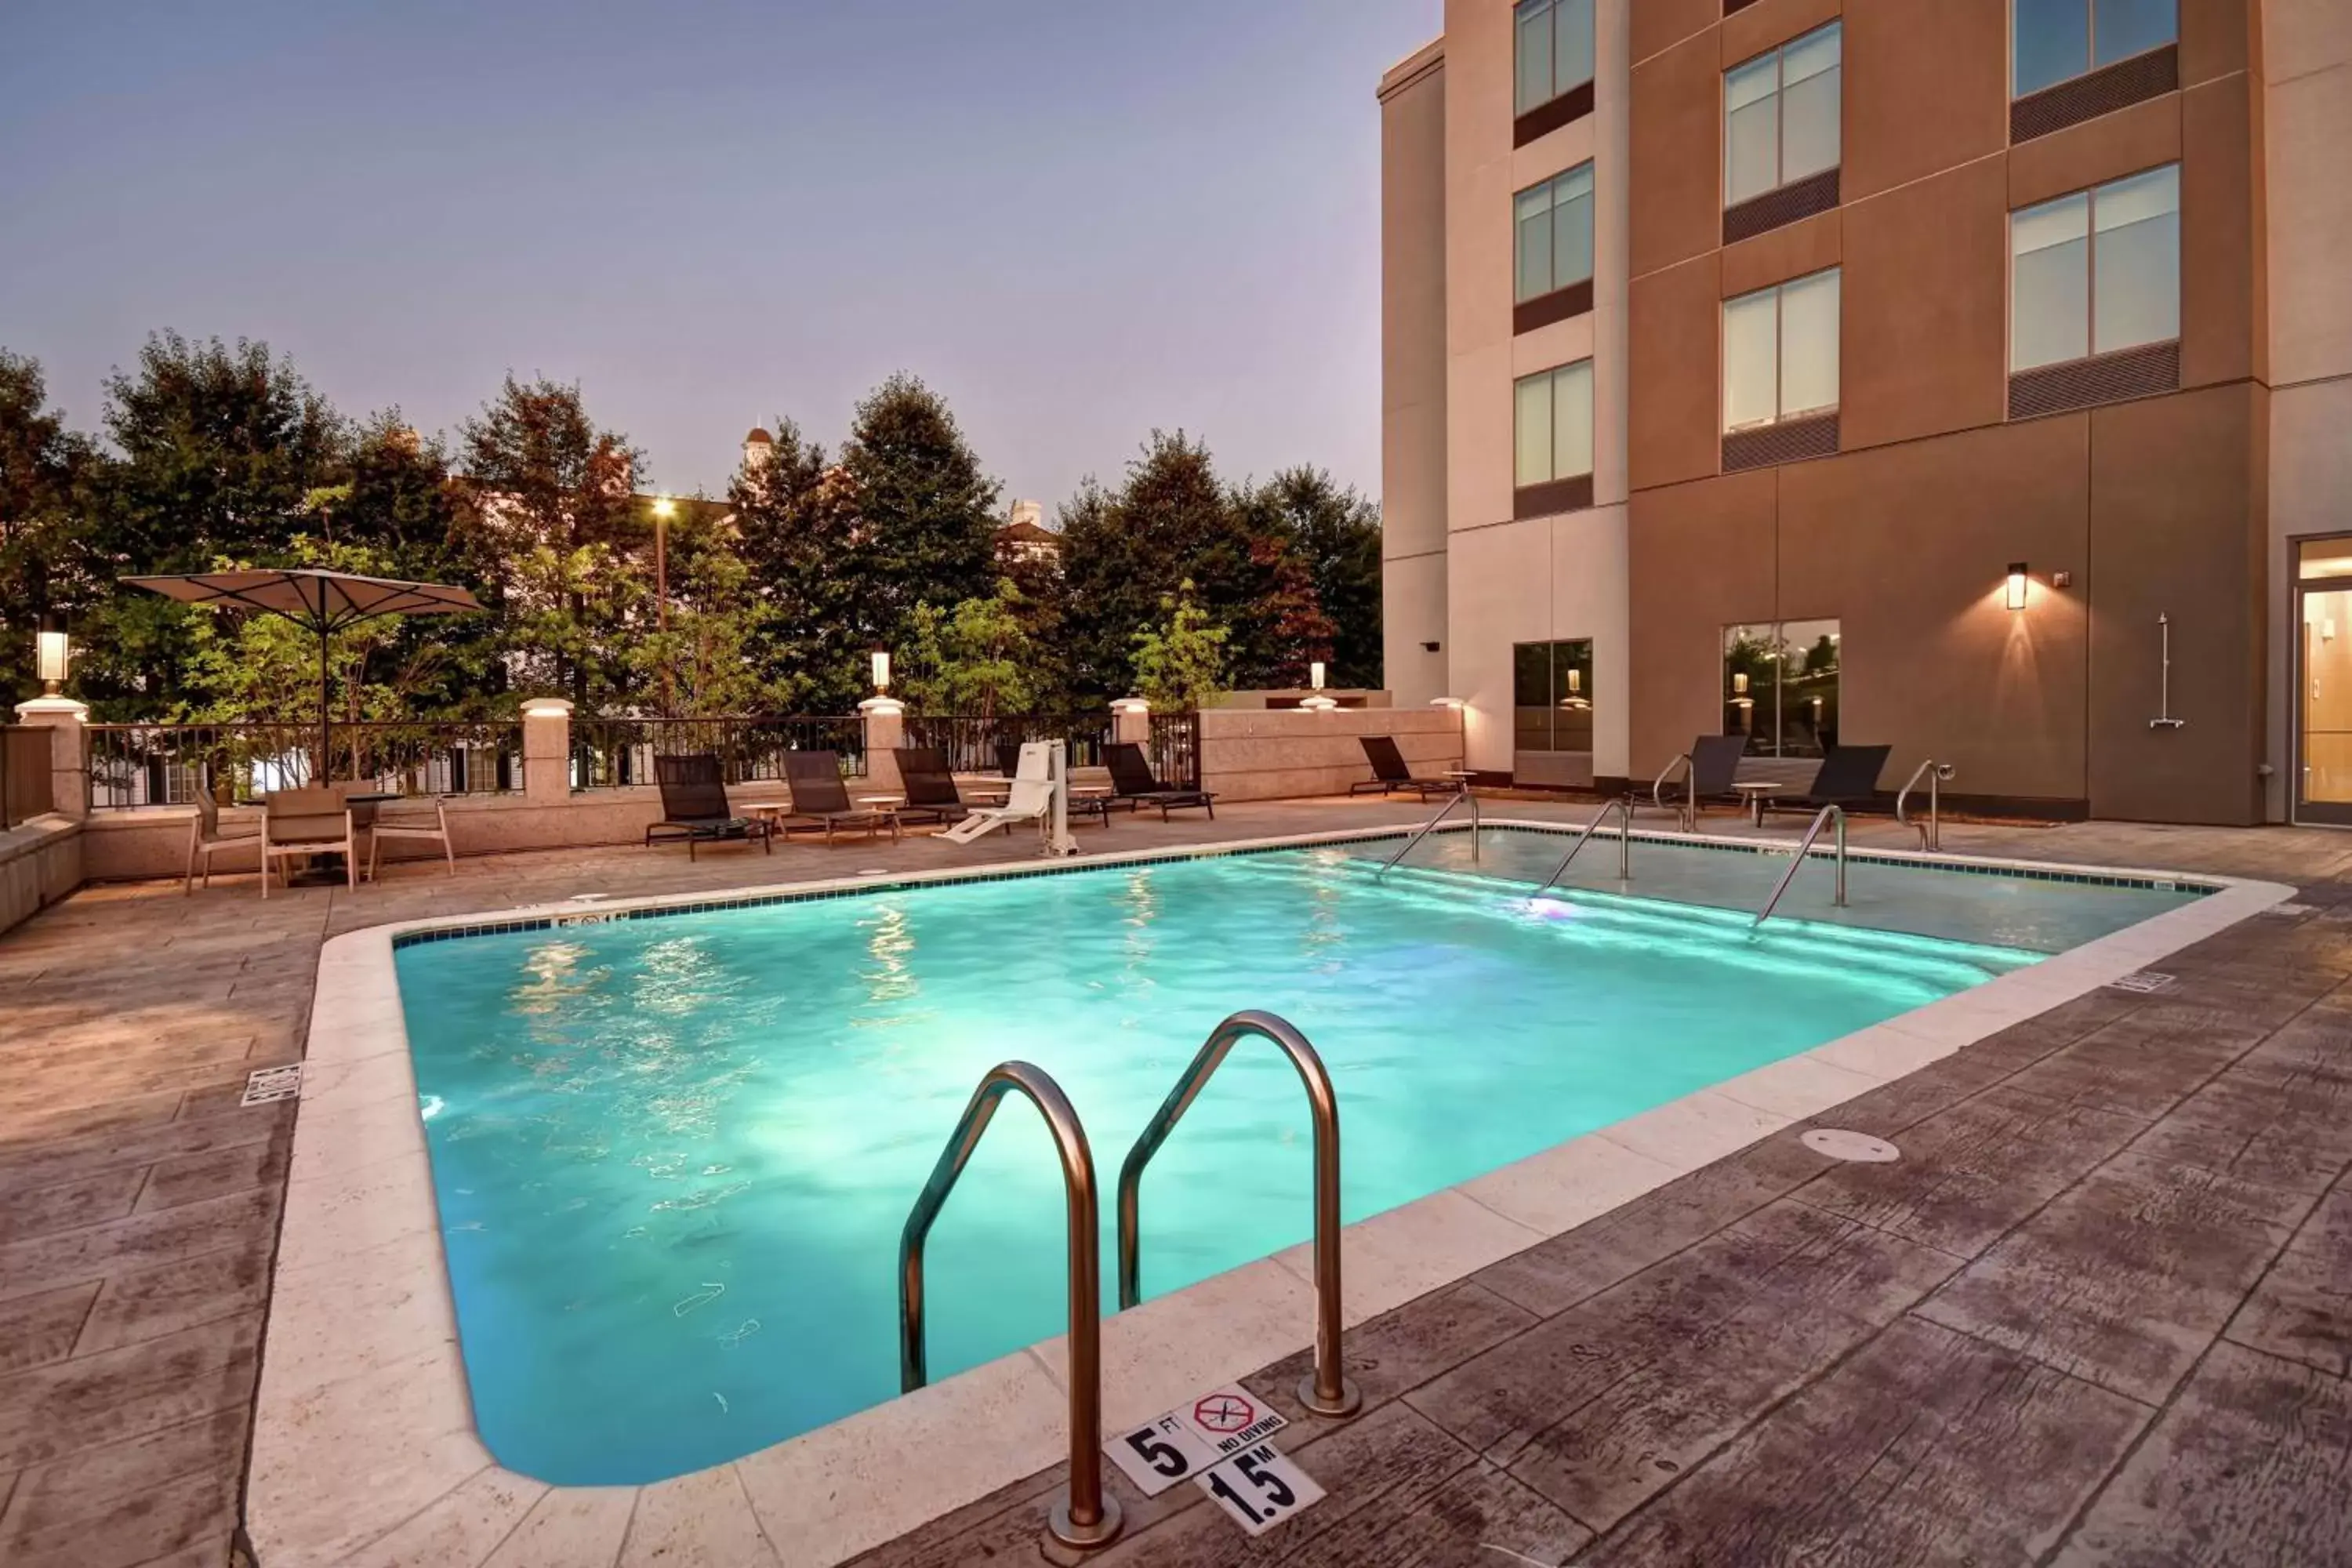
<point x="1078" y="219"/>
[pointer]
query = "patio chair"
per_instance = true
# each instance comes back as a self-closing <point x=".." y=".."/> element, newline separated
<point x="1389" y="771"/>
<point x="301" y="823"/>
<point x="820" y="801"/>
<point x="1031" y="798"/>
<point x="1848" y="777"/>
<point x="931" y="787"/>
<point x="437" y="831"/>
<point x="695" y="808"/>
<point x="1131" y="775"/>
<point x="1714" y="762"/>
<point x="205" y="840"/>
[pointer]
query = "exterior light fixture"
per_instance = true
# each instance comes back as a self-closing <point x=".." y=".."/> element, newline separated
<point x="1454" y="702"/>
<point x="881" y="656"/>
<point x="51" y="648"/>
<point x="1314" y="675"/>
<point x="664" y="506"/>
<point x="1575" y="683"/>
<point x="2017" y="581"/>
<point x="1739" y="683"/>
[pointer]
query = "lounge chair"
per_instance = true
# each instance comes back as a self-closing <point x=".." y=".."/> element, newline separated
<point x="821" y="801"/>
<point x="205" y="840"/>
<point x="1389" y="771"/>
<point x="301" y="823"/>
<point x="1008" y="758"/>
<point x="1031" y="798"/>
<point x="931" y="787"/>
<point x="695" y="808"/>
<point x="1131" y="775"/>
<point x="404" y="825"/>
<point x="1714" y="761"/>
<point x="1848" y="777"/>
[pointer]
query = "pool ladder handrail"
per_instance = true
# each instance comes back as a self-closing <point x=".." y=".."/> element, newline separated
<point x="1828" y="814"/>
<point x="1422" y="831"/>
<point x="1685" y="810"/>
<point x="1931" y="832"/>
<point x="1327" y="1390"/>
<point x="1624" y="806"/>
<point x="1086" y="1517"/>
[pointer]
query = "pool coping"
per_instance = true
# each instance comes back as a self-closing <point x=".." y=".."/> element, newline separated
<point x="364" y="1448"/>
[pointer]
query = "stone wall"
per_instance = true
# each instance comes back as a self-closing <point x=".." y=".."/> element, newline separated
<point x="1259" y="754"/>
<point x="40" y="862"/>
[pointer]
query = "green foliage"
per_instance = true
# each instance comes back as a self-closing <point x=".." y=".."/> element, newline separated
<point x="976" y="659"/>
<point x="805" y="556"/>
<point x="45" y="559"/>
<point x="1178" y="662"/>
<point x="927" y="514"/>
<point x="1335" y="535"/>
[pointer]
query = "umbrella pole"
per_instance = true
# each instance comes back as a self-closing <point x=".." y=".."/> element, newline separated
<point x="326" y="770"/>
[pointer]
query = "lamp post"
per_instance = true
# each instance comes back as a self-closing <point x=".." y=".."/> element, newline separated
<point x="51" y="648"/>
<point x="664" y="510"/>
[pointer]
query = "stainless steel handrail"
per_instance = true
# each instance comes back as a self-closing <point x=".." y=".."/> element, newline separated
<point x="1931" y="832"/>
<point x="1686" y="809"/>
<point x="1625" y="808"/>
<point x="1822" y="818"/>
<point x="1327" y="1390"/>
<point x="1086" y="1517"/>
<point x="1422" y="831"/>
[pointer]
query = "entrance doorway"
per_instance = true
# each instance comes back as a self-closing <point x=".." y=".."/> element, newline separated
<point x="2322" y="681"/>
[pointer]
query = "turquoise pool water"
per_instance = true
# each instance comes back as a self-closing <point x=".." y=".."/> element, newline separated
<point x="673" y="1155"/>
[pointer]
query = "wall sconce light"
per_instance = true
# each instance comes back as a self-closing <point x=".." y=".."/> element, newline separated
<point x="50" y="650"/>
<point x="1429" y="648"/>
<point x="881" y="669"/>
<point x="2017" y="581"/>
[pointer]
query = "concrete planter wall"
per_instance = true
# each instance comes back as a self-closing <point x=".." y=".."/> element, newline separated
<point x="1272" y="754"/>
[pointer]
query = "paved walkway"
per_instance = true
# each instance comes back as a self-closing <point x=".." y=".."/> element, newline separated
<point x="1757" y="1314"/>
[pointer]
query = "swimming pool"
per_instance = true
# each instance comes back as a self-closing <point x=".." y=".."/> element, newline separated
<point x="672" y="1155"/>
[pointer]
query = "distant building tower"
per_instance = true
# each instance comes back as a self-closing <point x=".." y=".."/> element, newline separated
<point x="758" y="451"/>
<point x="1026" y="538"/>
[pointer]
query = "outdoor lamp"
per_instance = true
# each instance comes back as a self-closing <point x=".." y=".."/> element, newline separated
<point x="2017" y="580"/>
<point x="665" y="507"/>
<point x="1575" y="683"/>
<point x="49" y="648"/>
<point x="1739" y="683"/>
<point x="881" y="668"/>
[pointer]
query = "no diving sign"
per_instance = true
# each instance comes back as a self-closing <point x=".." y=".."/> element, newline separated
<point x="1218" y="1442"/>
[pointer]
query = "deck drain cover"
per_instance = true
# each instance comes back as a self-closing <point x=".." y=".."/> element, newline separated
<point x="2144" y="980"/>
<point x="266" y="1085"/>
<point x="1839" y="1145"/>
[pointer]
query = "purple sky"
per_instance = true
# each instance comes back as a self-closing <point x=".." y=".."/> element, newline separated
<point x="1077" y="218"/>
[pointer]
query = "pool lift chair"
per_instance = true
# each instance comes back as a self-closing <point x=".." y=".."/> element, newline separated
<point x="1040" y="793"/>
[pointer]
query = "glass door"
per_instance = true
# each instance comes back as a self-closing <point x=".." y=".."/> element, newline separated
<point x="2323" y="675"/>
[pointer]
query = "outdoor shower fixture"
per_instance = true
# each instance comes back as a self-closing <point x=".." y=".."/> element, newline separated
<point x="2164" y="718"/>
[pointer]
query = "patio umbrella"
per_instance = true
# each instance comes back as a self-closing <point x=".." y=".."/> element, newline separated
<point x="322" y="603"/>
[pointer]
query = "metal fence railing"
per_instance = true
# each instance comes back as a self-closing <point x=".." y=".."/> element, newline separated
<point x="614" y="754"/>
<point x="169" y="765"/>
<point x="987" y="745"/>
<point x="24" y="773"/>
<point x="1176" y="750"/>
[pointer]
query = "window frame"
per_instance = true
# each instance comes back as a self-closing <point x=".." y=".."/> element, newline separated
<point x="2090" y="49"/>
<point x="1591" y="201"/>
<point x="2089" y="195"/>
<point x="1552" y="423"/>
<point x="1780" y="646"/>
<point x="1559" y="90"/>
<point x="1554" y="701"/>
<point x="1778" y="54"/>
<point x="1782" y="415"/>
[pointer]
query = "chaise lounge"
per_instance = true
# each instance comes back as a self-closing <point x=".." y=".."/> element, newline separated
<point x="1130" y="776"/>
<point x="695" y="808"/>
<point x="1390" y="772"/>
<point x="1848" y="777"/>
<point x="931" y="787"/>
<point x="821" y="802"/>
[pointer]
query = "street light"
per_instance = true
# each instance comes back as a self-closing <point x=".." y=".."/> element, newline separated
<point x="664" y="510"/>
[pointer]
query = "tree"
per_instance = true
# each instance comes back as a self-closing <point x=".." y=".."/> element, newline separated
<point x="554" y="500"/>
<point x="1178" y="662"/>
<point x="805" y="557"/>
<point x="927" y="515"/>
<point x="703" y="662"/>
<point x="1335" y="535"/>
<point x="44" y="557"/>
<point x="975" y="660"/>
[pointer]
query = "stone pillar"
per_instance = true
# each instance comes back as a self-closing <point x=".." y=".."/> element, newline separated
<point x="885" y="731"/>
<point x="1131" y="721"/>
<point x="69" y="751"/>
<point x="547" y="751"/>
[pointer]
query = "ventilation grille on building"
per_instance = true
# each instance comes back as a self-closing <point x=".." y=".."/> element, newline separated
<point x="2104" y="378"/>
<point x="1557" y="306"/>
<point x="1544" y="118"/>
<point x="1549" y="500"/>
<point x="2102" y="91"/>
<point x="1732" y="6"/>
<point x="1798" y="198"/>
<point x="1790" y="441"/>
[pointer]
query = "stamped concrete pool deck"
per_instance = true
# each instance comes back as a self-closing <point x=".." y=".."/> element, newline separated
<point x="2099" y="1311"/>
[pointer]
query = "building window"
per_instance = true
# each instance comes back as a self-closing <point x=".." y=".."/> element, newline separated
<point x="1551" y="441"/>
<point x="1555" y="49"/>
<point x="1781" y="115"/>
<point x="1551" y="696"/>
<point x="2054" y="40"/>
<point x="1780" y="686"/>
<point x="2097" y="271"/>
<point x="1780" y="352"/>
<point x="1555" y="234"/>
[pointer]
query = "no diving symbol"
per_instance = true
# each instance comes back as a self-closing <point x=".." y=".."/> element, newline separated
<point x="1223" y="1413"/>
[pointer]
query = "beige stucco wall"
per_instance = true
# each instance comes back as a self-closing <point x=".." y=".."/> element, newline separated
<point x="2307" y="125"/>
<point x="1254" y="754"/>
<point x="1413" y="375"/>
